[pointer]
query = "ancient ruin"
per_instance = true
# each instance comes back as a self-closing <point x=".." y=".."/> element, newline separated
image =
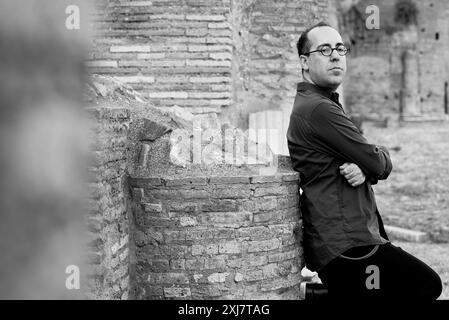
<point x="184" y="204"/>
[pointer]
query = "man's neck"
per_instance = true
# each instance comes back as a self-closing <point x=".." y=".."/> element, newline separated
<point x="307" y="79"/>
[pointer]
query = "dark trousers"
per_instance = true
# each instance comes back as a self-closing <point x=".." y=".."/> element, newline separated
<point x="386" y="273"/>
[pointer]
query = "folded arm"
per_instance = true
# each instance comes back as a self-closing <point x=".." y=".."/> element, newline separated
<point x="341" y="138"/>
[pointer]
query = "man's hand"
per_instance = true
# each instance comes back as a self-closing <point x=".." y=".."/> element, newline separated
<point x="352" y="173"/>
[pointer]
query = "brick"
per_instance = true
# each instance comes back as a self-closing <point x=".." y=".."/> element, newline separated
<point x="194" y="48"/>
<point x="159" y="265"/>
<point x="221" y="87"/>
<point x="134" y="63"/>
<point x="210" y="79"/>
<point x="280" y="283"/>
<point x="248" y="260"/>
<point x="167" y="16"/>
<point x="220" y="56"/>
<point x="217" y="277"/>
<point x="219" y="205"/>
<point x="231" y="247"/>
<point x="131" y="48"/>
<point x="211" y="249"/>
<point x="171" y="277"/>
<point x="231" y="192"/>
<point x="209" y="95"/>
<point x="264" y="245"/>
<point x="193" y="194"/>
<point x="174" y="236"/>
<point x="196" y="181"/>
<point x="150" y="56"/>
<point x="220" y="40"/>
<point x="172" y="94"/>
<point x="222" y="102"/>
<point x="200" y="234"/>
<point x="217" y="262"/>
<point x="278" y="190"/>
<point x="255" y="233"/>
<point x="184" y="207"/>
<point x="188" y="221"/>
<point x="197" y="32"/>
<point x="270" y="270"/>
<point x="205" y="292"/>
<point x="266" y="204"/>
<point x="206" y="17"/>
<point x="291" y="177"/>
<point x="168" y="63"/>
<point x="197" y="277"/>
<point x="152" y="207"/>
<point x="219" y="25"/>
<point x="178" y="264"/>
<point x="265" y="179"/>
<point x="254" y="275"/>
<point x="175" y="292"/>
<point x="220" y="33"/>
<point x="208" y="63"/>
<point x="226" y="219"/>
<point x="102" y="63"/>
<point x="146" y="182"/>
<point x="195" y="264"/>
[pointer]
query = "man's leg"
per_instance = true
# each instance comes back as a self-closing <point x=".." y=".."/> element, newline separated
<point x="389" y="273"/>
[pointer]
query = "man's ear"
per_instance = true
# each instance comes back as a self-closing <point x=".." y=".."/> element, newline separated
<point x="304" y="61"/>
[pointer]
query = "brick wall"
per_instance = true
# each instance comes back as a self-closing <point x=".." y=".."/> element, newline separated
<point x="108" y="226"/>
<point x="205" y="55"/>
<point x="174" y="52"/>
<point x="217" y="237"/>
<point x="266" y="64"/>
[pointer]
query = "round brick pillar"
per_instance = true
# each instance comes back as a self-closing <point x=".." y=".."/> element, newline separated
<point x="217" y="237"/>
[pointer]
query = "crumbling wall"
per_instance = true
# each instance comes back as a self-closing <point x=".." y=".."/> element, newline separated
<point x="205" y="56"/>
<point x="266" y="64"/>
<point x="107" y="214"/>
<point x="225" y="237"/>
<point x="174" y="52"/>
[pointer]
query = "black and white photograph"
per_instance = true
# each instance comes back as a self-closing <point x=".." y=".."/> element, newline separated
<point x="242" y="151"/>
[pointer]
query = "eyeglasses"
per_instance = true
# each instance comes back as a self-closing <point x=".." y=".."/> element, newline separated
<point x="327" y="50"/>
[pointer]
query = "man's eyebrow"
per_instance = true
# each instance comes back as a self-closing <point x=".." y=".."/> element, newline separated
<point x="328" y="44"/>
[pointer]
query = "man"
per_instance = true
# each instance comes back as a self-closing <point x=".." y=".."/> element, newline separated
<point x="344" y="238"/>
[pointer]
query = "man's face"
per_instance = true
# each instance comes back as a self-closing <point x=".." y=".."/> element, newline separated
<point x="327" y="72"/>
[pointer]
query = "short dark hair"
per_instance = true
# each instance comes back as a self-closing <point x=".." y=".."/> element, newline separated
<point x="303" y="44"/>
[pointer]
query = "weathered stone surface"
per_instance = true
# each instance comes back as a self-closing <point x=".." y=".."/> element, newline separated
<point x="153" y="130"/>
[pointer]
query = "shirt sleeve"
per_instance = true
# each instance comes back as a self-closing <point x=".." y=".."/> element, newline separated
<point x="341" y="138"/>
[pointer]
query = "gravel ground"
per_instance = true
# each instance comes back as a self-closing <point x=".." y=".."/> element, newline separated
<point x="416" y="195"/>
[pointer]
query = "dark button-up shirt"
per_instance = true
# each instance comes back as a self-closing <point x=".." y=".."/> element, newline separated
<point x="336" y="216"/>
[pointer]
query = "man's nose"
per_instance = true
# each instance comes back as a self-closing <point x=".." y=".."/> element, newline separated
<point x="335" y="56"/>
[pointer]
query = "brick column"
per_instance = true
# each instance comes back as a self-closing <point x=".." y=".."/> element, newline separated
<point x="108" y="252"/>
<point x="217" y="237"/>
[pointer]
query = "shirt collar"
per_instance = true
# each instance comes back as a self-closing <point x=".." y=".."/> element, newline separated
<point x="332" y="95"/>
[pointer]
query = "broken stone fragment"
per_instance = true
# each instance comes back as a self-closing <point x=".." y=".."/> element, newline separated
<point x="181" y="117"/>
<point x="152" y="130"/>
<point x="180" y="149"/>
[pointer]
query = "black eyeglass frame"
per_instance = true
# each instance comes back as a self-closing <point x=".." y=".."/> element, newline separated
<point x="332" y="50"/>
